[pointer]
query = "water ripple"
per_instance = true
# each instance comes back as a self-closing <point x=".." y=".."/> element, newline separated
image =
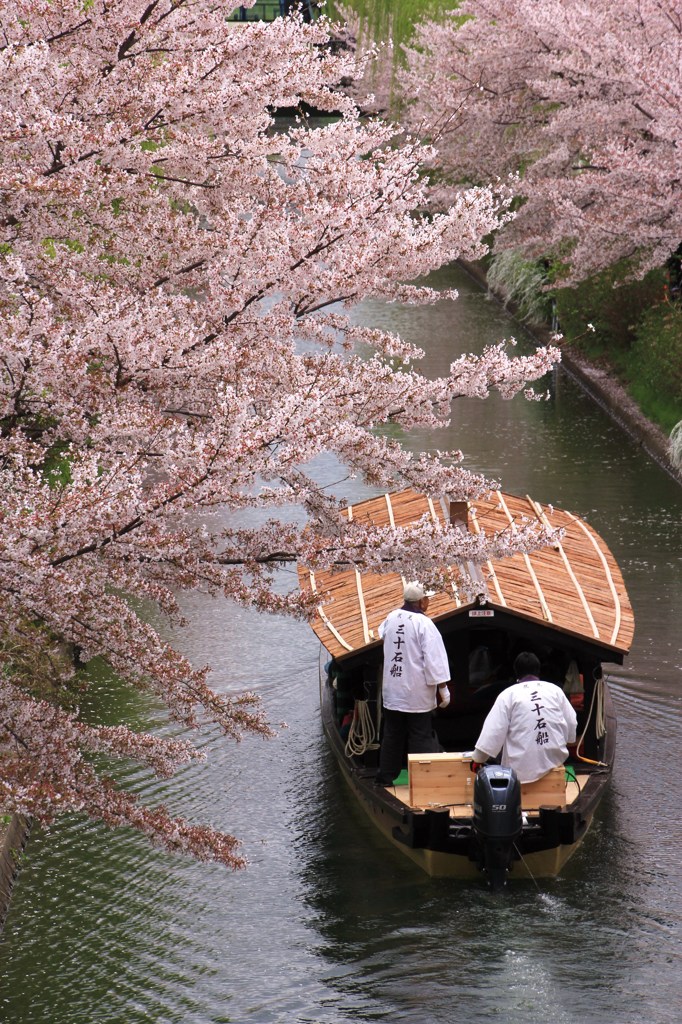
<point x="329" y="924"/>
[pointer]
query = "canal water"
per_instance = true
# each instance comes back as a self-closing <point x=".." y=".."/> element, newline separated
<point x="329" y="924"/>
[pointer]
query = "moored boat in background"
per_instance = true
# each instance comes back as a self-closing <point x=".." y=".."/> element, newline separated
<point x="566" y="602"/>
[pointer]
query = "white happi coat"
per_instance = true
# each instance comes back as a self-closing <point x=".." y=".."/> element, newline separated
<point x="530" y="722"/>
<point x="415" y="661"/>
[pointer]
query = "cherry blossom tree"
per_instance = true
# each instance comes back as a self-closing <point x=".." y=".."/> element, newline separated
<point x="583" y="101"/>
<point x="176" y="269"/>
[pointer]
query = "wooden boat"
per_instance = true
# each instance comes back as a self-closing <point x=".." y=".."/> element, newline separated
<point x="567" y="603"/>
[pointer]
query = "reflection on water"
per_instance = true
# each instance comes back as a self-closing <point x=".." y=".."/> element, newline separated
<point x="329" y="923"/>
<point x="581" y="948"/>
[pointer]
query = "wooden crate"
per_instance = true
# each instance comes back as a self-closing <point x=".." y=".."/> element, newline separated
<point x="549" y="791"/>
<point x="445" y="780"/>
<point x="440" y="780"/>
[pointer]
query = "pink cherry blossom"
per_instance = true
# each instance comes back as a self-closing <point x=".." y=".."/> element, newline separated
<point x="582" y="100"/>
<point x="176" y="273"/>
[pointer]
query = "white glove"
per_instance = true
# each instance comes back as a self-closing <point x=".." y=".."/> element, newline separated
<point x="444" y="695"/>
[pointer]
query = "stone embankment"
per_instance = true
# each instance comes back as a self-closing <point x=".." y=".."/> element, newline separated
<point x="13" y="839"/>
<point x="613" y="397"/>
<point x="605" y="389"/>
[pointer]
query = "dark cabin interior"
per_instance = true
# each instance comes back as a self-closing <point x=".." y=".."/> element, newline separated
<point x="481" y="662"/>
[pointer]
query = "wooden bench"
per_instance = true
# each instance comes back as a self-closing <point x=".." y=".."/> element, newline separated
<point x="446" y="780"/>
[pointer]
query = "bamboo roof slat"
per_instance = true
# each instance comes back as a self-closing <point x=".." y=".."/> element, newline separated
<point x="391" y="520"/>
<point x="541" y="597"/>
<point x="389" y="509"/>
<point x="609" y="576"/>
<point x="320" y="611"/>
<point x="363" y="609"/>
<point x="492" y="575"/>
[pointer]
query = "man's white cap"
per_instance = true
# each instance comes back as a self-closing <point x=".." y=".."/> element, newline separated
<point x="414" y="592"/>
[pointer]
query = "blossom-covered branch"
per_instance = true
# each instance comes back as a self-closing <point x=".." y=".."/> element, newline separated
<point x="176" y="271"/>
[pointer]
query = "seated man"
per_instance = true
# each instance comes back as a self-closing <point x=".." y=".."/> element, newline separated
<point x="531" y="723"/>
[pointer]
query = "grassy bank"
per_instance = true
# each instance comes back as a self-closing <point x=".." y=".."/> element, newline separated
<point x="384" y="20"/>
<point x="636" y="334"/>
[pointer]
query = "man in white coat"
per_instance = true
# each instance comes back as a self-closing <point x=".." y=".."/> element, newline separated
<point x="531" y="723"/>
<point x="415" y="668"/>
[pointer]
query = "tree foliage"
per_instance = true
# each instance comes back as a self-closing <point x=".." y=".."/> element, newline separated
<point x="176" y="267"/>
<point x="583" y="101"/>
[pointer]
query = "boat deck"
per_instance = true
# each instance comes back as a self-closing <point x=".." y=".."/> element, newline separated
<point x="446" y="780"/>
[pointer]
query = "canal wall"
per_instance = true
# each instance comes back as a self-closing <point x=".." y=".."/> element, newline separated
<point x="13" y="839"/>
<point x="602" y="387"/>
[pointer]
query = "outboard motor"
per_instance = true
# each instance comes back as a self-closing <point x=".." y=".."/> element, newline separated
<point x="497" y="820"/>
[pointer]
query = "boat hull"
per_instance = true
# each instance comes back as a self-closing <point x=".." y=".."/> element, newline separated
<point x="447" y="847"/>
<point x="566" y="603"/>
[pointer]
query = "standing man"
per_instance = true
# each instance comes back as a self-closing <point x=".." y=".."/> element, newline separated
<point x="415" y="667"/>
<point x="531" y="722"/>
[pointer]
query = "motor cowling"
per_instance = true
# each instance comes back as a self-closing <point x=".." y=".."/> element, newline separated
<point x="497" y="820"/>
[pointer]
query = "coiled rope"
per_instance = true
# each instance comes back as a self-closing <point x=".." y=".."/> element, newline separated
<point x="362" y="733"/>
<point x="599" y="721"/>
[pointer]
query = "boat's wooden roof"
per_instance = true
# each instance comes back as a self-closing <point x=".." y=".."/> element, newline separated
<point x="575" y="587"/>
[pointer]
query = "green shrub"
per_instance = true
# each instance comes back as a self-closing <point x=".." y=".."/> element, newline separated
<point x="655" y="363"/>
<point x="614" y="310"/>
